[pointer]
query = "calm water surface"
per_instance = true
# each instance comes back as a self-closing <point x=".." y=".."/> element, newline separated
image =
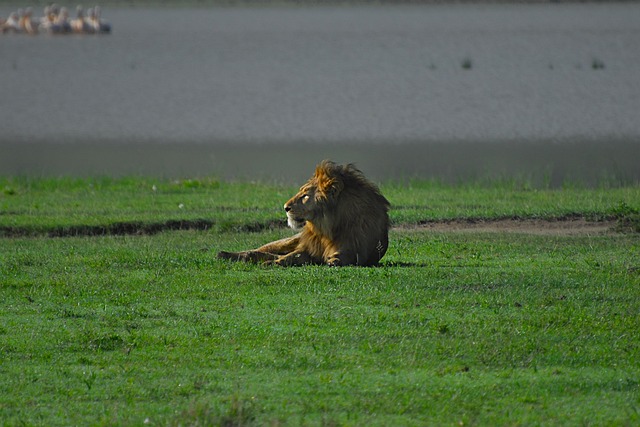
<point x="348" y="82"/>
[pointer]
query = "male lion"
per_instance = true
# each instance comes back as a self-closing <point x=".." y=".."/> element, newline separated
<point x="343" y="221"/>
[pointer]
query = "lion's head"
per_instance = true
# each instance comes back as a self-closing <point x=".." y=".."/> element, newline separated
<point x="315" y="197"/>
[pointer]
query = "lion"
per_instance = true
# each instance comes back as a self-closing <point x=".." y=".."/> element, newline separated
<point x="342" y="217"/>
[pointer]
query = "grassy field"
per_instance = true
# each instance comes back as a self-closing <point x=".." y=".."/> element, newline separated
<point x="115" y="311"/>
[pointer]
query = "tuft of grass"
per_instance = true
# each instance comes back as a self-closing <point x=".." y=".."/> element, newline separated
<point x="233" y="412"/>
<point x="628" y="217"/>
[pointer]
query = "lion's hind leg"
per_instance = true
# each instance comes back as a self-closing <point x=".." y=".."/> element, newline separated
<point x="266" y="253"/>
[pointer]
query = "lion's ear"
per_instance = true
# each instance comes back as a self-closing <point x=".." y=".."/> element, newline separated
<point x="328" y="184"/>
<point x="335" y="188"/>
<point x="328" y="187"/>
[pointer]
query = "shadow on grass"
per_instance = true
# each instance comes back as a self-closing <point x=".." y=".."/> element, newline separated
<point x="401" y="264"/>
<point x="137" y="228"/>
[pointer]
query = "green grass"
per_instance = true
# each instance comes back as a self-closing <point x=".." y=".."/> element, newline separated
<point x="453" y="328"/>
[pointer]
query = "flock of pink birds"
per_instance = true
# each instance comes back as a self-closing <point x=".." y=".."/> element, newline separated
<point x="55" y="20"/>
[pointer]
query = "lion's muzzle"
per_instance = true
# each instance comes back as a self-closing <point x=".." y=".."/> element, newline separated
<point x="295" y="223"/>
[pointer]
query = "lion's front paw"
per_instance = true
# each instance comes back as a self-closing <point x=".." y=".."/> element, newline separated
<point x="334" y="262"/>
<point x="283" y="261"/>
<point x="294" y="259"/>
<point x="248" y="256"/>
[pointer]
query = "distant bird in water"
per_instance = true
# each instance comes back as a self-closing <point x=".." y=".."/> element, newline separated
<point x="11" y="24"/>
<point x="100" y="24"/>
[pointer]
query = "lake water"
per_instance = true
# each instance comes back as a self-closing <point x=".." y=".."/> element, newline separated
<point x="445" y="91"/>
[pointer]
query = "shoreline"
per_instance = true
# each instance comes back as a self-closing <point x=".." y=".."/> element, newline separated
<point x="268" y="3"/>
<point x="542" y="163"/>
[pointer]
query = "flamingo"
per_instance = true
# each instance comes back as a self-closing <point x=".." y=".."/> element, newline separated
<point x="26" y="22"/>
<point x="102" y="25"/>
<point x="80" y="24"/>
<point x="62" y="20"/>
<point x="47" y="22"/>
<point x="12" y="23"/>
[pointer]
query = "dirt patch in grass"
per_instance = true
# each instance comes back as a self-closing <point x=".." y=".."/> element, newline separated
<point x="559" y="227"/>
<point x="555" y="226"/>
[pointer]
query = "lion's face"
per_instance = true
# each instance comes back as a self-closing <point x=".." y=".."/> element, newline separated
<point x="303" y="207"/>
<point x="312" y="200"/>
